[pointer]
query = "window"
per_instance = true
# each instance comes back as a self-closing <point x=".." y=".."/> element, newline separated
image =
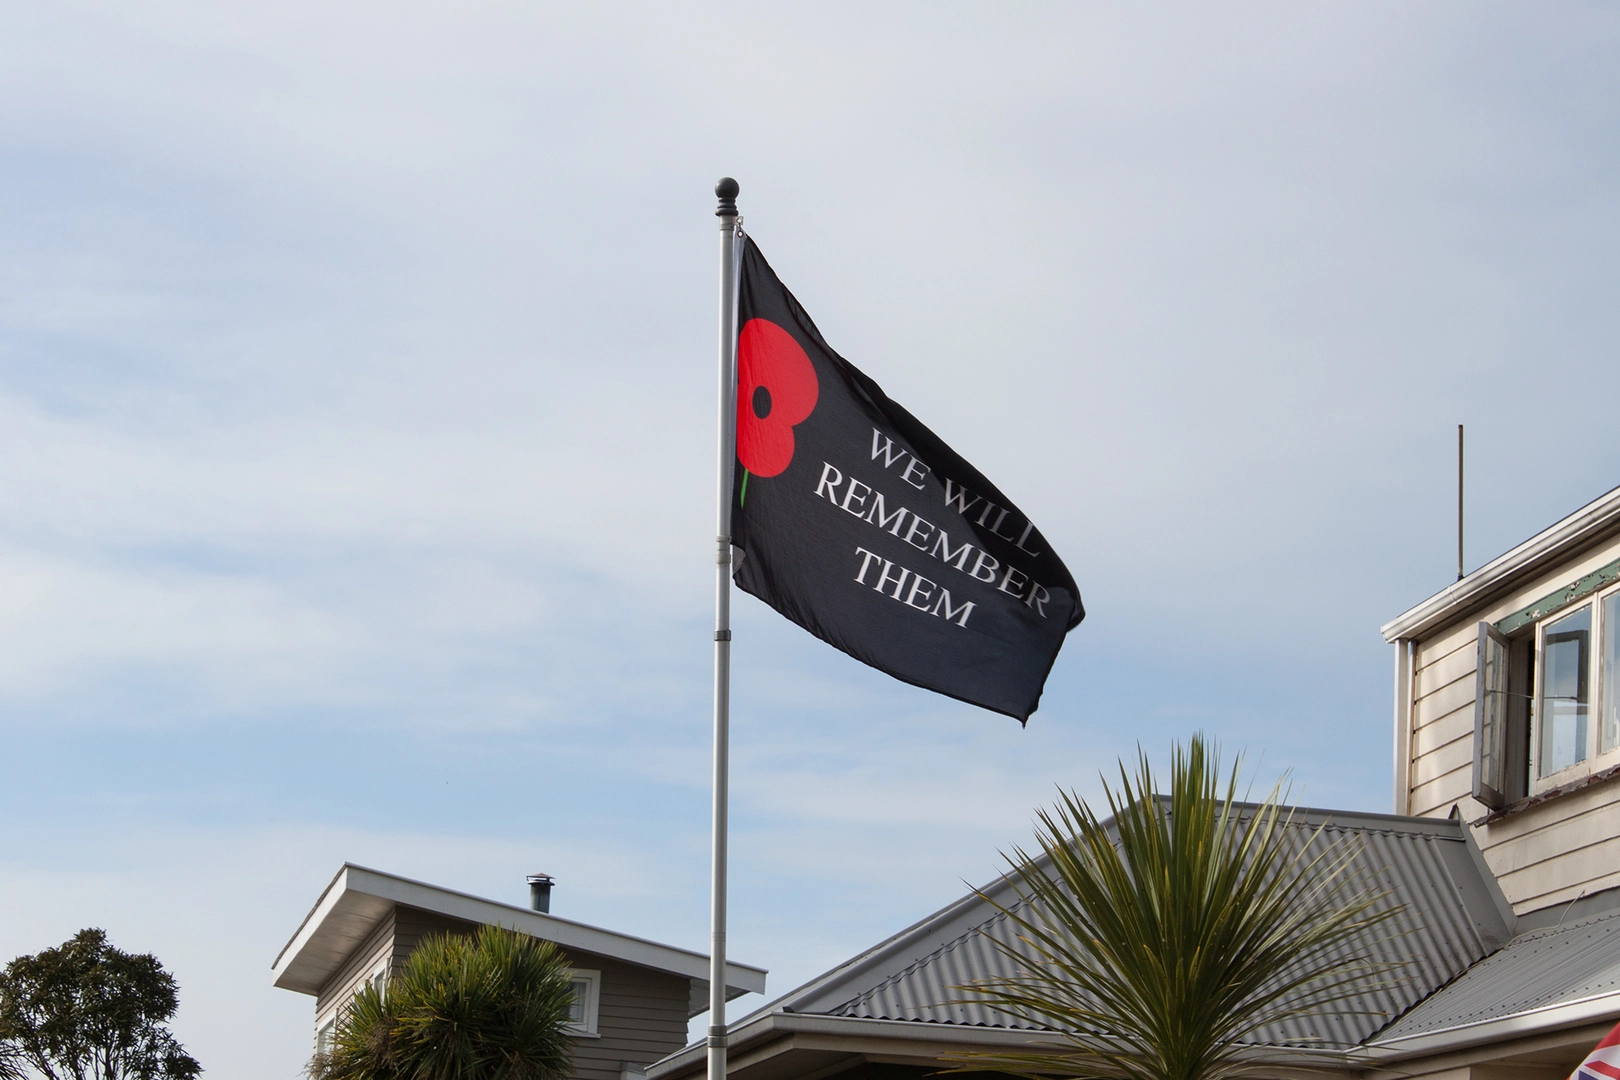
<point x="323" y="1037"/>
<point x="587" y="994"/>
<point x="1562" y="707"/>
<point x="1547" y="700"/>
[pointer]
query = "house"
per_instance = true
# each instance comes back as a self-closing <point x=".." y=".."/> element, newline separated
<point x="633" y="997"/>
<point x="1504" y="852"/>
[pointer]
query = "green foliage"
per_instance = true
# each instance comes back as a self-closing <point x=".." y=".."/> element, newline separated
<point x="87" y="1011"/>
<point x="491" y="1007"/>
<point x="1159" y="955"/>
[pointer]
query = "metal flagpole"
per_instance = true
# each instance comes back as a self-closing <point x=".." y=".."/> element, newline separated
<point x="726" y="189"/>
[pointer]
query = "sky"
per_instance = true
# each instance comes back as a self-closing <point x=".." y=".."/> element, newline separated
<point x="356" y="430"/>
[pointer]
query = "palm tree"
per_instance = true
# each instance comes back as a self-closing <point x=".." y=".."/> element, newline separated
<point x="1159" y="949"/>
<point x="491" y="1007"/>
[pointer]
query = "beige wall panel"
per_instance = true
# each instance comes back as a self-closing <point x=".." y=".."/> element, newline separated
<point x="1446" y="702"/>
<point x="1437" y="796"/>
<point x="1445" y="760"/>
<point x="1433" y="738"/>
<point x="1549" y="813"/>
<point x="1443" y="732"/>
<point x="1566" y="834"/>
<point x="1563" y="878"/>
<point x="1442" y="643"/>
<point x="1457" y="664"/>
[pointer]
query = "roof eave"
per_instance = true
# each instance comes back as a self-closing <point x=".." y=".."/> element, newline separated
<point x="759" y="1032"/>
<point x="356" y="890"/>
<point x="1585" y="526"/>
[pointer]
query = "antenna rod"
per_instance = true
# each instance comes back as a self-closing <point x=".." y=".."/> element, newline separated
<point x="1459" y="502"/>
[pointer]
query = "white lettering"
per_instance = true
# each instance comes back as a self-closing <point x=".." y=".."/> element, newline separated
<point x="918" y="526"/>
<point x="960" y="497"/>
<point x="917" y="592"/>
<point x="989" y="564"/>
<point x="1029" y="527"/>
<point x="881" y="519"/>
<point x="1018" y="587"/>
<point x="829" y="486"/>
<point x="1038" y="596"/>
<point x="849" y="494"/>
<point x="884" y="579"/>
<point x="957" y="615"/>
<point x="996" y="528"/>
<point x="914" y="467"/>
<point x="942" y="550"/>
<point x="860" y="578"/>
<point x="891" y="453"/>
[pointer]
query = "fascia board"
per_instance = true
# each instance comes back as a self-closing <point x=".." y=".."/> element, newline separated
<point x="1547" y="1018"/>
<point x="1586" y="525"/>
<point x="740" y="978"/>
<point x="778" y="1033"/>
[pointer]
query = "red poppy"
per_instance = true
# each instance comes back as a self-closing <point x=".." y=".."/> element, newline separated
<point x="776" y="389"/>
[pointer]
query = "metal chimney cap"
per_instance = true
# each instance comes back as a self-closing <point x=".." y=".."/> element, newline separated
<point x="541" y="879"/>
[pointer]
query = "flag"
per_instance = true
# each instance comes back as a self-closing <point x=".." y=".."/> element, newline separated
<point x="1603" y="1063"/>
<point x="858" y="523"/>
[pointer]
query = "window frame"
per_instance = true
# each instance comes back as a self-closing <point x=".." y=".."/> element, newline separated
<point x="1597" y="759"/>
<point x="1492" y="717"/>
<point x="587" y="1027"/>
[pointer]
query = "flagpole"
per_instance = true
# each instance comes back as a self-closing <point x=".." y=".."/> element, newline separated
<point x="727" y="190"/>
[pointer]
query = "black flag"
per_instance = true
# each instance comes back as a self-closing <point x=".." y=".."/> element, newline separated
<point x="862" y="526"/>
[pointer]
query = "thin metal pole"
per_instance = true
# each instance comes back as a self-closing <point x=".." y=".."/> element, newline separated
<point x="1459" y="502"/>
<point x="726" y="189"/>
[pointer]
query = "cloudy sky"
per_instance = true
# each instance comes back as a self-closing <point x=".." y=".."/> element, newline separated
<point x="356" y="428"/>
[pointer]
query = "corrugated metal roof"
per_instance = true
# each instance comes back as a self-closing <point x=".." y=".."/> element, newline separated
<point x="1540" y="968"/>
<point x="1452" y="917"/>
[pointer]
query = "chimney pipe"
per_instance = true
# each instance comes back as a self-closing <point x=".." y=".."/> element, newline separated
<point x="540" y="892"/>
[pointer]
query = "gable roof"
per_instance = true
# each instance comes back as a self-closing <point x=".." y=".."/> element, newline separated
<point x="358" y="898"/>
<point x="904" y="989"/>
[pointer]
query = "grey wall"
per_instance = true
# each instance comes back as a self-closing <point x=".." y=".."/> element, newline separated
<point x="641" y="1014"/>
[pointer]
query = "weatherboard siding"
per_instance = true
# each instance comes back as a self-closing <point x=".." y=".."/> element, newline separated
<point x="641" y="1017"/>
<point x="361" y="965"/>
<point x="641" y="1013"/>
<point x="1546" y="854"/>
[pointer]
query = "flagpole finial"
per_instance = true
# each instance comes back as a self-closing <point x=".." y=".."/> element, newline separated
<point x="727" y="189"/>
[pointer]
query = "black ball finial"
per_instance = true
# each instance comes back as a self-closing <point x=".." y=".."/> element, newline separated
<point x="727" y="190"/>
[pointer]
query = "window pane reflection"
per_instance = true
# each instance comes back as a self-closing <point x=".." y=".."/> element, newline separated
<point x="1563" y="705"/>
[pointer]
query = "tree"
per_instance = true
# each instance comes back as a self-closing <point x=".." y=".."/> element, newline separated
<point x="86" y="1011"/>
<point x="1159" y="950"/>
<point x="491" y="1007"/>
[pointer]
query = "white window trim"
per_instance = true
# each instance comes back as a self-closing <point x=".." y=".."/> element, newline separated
<point x="1597" y="760"/>
<point x="593" y="1000"/>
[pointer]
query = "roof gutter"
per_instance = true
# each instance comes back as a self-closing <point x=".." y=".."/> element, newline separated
<point x="1548" y="1018"/>
<point x="1586" y="525"/>
<point x="763" y="1029"/>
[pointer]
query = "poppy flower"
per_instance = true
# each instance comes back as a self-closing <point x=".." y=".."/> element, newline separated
<point x="776" y="389"/>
